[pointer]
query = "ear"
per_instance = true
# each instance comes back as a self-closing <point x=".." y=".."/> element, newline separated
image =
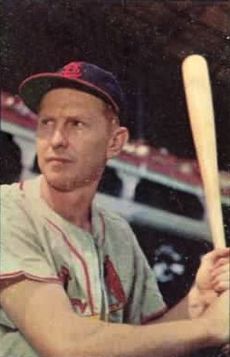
<point x="119" y="137"/>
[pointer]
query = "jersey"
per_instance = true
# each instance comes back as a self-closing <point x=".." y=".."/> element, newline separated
<point x="104" y="273"/>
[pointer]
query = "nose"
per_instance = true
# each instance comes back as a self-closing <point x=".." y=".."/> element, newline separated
<point x="59" y="138"/>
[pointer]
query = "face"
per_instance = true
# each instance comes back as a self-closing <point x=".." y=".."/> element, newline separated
<point x="75" y="138"/>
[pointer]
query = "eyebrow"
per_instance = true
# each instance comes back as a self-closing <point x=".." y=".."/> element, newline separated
<point x="44" y="117"/>
<point x="70" y="117"/>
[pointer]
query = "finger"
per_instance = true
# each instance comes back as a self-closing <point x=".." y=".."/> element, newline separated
<point x="216" y="254"/>
<point x="221" y="253"/>
<point x="223" y="277"/>
<point x="221" y="283"/>
<point x="220" y="262"/>
<point x="220" y="270"/>
<point x="222" y="286"/>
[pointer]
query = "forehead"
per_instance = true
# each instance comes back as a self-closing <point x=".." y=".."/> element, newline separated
<point x="67" y="99"/>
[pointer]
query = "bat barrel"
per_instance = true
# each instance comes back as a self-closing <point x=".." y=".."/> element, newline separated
<point x="201" y="114"/>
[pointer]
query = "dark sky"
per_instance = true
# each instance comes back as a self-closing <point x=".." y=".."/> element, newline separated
<point x="42" y="35"/>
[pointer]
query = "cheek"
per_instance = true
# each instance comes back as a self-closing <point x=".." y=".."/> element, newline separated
<point x="96" y="145"/>
<point x="94" y="155"/>
<point x="100" y="148"/>
<point x="40" y="149"/>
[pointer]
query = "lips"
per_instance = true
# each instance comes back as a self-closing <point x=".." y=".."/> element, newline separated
<point x="59" y="159"/>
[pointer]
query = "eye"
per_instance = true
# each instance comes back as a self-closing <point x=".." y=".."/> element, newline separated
<point x="45" y="121"/>
<point x="45" y="126"/>
<point x="76" y="123"/>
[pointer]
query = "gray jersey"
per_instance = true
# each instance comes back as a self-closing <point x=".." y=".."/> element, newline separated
<point x="104" y="274"/>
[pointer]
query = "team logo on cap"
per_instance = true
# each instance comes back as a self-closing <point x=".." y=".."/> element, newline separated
<point x="72" y="70"/>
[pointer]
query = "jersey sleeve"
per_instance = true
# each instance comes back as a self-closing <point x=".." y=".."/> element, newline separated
<point x="14" y="344"/>
<point x="146" y="303"/>
<point x="21" y="250"/>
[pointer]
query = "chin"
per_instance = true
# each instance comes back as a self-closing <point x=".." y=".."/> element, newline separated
<point x="61" y="186"/>
<point x="66" y="183"/>
<point x="63" y="183"/>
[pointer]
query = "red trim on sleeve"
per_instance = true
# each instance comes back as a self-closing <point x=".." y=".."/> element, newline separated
<point x="79" y="257"/>
<point x="29" y="276"/>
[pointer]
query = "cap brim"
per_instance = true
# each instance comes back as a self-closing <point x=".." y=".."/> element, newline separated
<point x="35" y="87"/>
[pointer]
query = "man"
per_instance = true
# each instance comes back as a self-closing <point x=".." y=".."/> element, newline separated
<point x="74" y="282"/>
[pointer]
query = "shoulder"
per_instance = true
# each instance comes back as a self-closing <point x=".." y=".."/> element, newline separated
<point x="17" y="198"/>
<point x="9" y="190"/>
<point x="10" y="194"/>
<point x="21" y="219"/>
<point x="25" y="188"/>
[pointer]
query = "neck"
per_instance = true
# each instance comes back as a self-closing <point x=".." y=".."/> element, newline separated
<point x="74" y="206"/>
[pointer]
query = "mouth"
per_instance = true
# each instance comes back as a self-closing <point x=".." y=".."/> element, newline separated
<point x="61" y="160"/>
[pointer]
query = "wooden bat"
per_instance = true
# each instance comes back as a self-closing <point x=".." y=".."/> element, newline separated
<point x="200" y="108"/>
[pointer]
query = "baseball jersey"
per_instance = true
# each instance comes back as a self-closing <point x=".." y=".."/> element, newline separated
<point x="104" y="273"/>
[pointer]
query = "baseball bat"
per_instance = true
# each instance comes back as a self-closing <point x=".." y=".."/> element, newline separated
<point x="201" y="114"/>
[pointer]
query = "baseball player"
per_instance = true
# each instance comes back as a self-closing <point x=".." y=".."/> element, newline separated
<point x="74" y="282"/>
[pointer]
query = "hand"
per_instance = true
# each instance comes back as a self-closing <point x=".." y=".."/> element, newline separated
<point x="213" y="273"/>
<point x="199" y="300"/>
<point x="220" y="274"/>
<point x="217" y="317"/>
<point x="212" y="278"/>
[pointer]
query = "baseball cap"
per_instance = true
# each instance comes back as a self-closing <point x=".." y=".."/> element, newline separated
<point x="83" y="76"/>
